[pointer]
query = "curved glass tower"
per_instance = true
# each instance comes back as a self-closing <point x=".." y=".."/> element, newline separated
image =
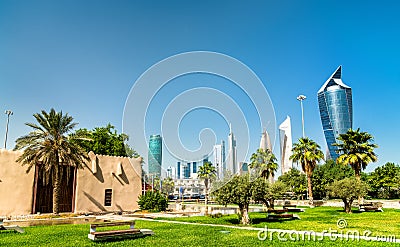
<point x="336" y="109"/>
<point x="155" y="155"/>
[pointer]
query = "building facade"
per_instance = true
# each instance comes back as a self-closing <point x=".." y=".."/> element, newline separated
<point x="189" y="187"/>
<point x="155" y="155"/>
<point x="106" y="184"/>
<point x="265" y="144"/>
<point x="231" y="163"/>
<point x="285" y="137"/>
<point x="219" y="159"/>
<point x="336" y="109"/>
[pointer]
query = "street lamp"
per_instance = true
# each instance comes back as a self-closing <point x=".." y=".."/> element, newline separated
<point x="8" y="113"/>
<point x="301" y="98"/>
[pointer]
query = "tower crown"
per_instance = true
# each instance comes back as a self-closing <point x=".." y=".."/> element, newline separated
<point x="334" y="80"/>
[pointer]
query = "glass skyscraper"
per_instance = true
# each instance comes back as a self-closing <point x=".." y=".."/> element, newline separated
<point x="155" y="155"/>
<point x="336" y="109"/>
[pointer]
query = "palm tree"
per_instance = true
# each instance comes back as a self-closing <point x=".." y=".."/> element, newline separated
<point x="308" y="153"/>
<point x="264" y="161"/>
<point x="206" y="172"/>
<point x="355" y="149"/>
<point x="49" y="148"/>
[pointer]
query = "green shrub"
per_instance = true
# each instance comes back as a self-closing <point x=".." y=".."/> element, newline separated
<point x="153" y="200"/>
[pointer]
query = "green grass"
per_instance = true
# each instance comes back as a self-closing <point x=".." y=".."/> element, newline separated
<point x="166" y="234"/>
<point x="318" y="219"/>
<point x="172" y="234"/>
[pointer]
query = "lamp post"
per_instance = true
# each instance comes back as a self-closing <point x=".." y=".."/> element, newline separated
<point x="301" y="98"/>
<point x="8" y="113"/>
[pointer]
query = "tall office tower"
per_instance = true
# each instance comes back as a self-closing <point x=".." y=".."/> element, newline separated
<point x="155" y="155"/>
<point x="231" y="164"/>
<point x="178" y="170"/>
<point x="219" y="159"/>
<point x="265" y="143"/>
<point x="186" y="170"/>
<point x="194" y="167"/>
<point x="285" y="136"/>
<point x="336" y="109"/>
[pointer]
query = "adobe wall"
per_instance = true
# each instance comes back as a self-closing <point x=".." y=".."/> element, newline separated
<point x="121" y="174"/>
<point x="16" y="186"/>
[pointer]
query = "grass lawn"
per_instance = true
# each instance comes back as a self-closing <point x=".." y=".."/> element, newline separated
<point x="318" y="219"/>
<point x="171" y="234"/>
<point x="166" y="234"/>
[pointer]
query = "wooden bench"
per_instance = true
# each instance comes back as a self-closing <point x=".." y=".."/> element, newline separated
<point x="282" y="216"/>
<point x="292" y="208"/>
<point x="10" y="227"/>
<point x="277" y="211"/>
<point x="96" y="235"/>
<point x="369" y="207"/>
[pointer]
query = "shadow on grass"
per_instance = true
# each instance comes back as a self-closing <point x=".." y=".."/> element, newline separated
<point x="118" y="238"/>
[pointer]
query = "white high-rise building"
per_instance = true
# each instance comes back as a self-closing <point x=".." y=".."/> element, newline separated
<point x="231" y="164"/>
<point x="285" y="134"/>
<point x="265" y="144"/>
<point x="219" y="159"/>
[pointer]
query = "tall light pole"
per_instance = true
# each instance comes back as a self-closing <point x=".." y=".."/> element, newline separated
<point x="8" y="113"/>
<point x="301" y="98"/>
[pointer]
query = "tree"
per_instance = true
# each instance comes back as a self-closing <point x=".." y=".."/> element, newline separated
<point x="153" y="200"/>
<point x="295" y="181"/>
<point x="308" y="153"/>
<point x="106" y="141"/>
<point x="262" y="190"/>
<point x="167" y="185"/>
<point x="348" y="190"/>
<point x="355" y="149"/>
<point x="50" y="148"/>
<point x="264" y="162"/>
<point x="326" y="174"/>
<point x="385" y="181"/>
<point x="206" y="172"/>
<point x="236" y="191"/>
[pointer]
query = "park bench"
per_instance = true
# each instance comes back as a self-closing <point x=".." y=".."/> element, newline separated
<point x="370" y="207"/>
<point x="282" y="216"/>
<point x="275" y="214"/>
<point x="277" y="211"/>
<point x="10" y="227"/>
<point x="292" y="208"/>
<point x="131" y="231"/>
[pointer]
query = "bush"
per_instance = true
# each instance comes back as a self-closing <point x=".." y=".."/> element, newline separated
<point x="153" y="200"/>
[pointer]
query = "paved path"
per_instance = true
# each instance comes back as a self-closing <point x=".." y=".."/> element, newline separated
<point x="283" y="235"/>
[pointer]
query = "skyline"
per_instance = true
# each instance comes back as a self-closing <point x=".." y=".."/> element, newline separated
<point x="83" y="58"/>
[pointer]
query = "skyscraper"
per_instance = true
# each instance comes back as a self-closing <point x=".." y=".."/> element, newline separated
<point x="336" y="109"/>
<point x="186" y="170"/>
<point x="178" y="170"/>
<point x="285" y="136"/>
<point x="265" y="144"/>
<point x="155" y="155"/>
<point x="219" y="159"/>
<point x="231" y="164"/>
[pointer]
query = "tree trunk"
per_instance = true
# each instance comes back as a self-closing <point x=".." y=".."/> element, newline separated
<point x="271" y="203"/>
<point x="56" y="190"/>
<point x="310" y="195"/>
<point x="244" y="211"/>
<point x="347" y="205"/>
<point x="358" y="177"/>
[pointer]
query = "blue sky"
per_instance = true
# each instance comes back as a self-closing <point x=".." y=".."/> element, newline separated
<point x="83" y="57"/>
